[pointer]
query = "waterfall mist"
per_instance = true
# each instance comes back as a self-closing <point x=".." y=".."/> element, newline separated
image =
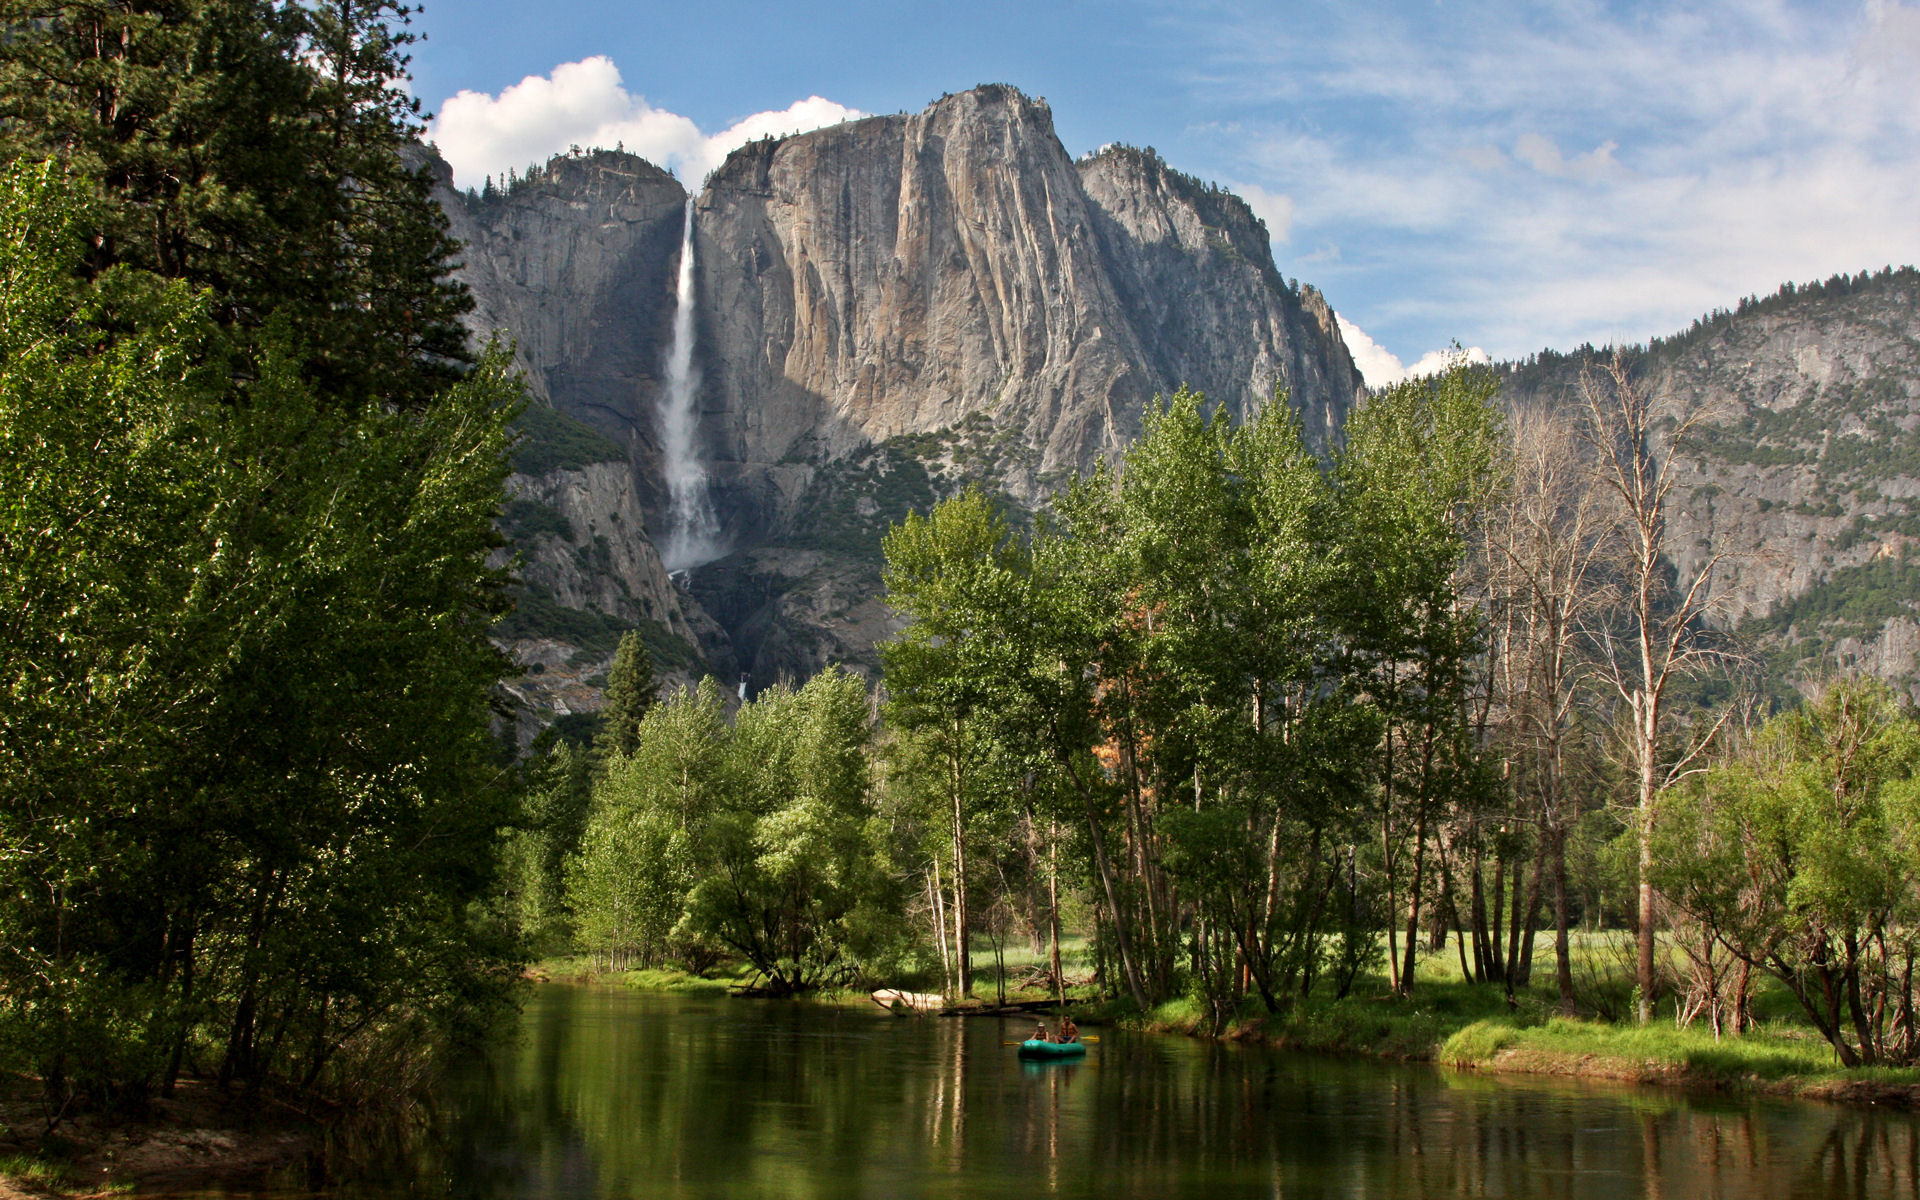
<point x="693" y="532"/>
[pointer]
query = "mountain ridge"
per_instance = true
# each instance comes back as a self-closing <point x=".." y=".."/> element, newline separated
<point x="929" y="299"/>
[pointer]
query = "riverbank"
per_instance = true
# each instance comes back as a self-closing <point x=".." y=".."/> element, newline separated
<point x="1470" y="1028"/>
<point x="1451" y="1024"/>
<point x="195" y="1140"/>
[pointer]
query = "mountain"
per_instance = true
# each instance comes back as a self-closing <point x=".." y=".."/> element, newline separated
<point x="1807" y="476"/>
<point x="885" y="311"/>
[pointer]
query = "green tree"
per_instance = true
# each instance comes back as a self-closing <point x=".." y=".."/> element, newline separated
<point x="1801" y="856"/>
<point x="558" y="792"/>
<point x="1416" y="476"/>
<point x="791" y="870"/>
<point x="629" y="695"/>
<point x="639" y="855"/>
<point x="260" y="151"/>
<point x="248" y="764"/>
<point x="957" y="574"/>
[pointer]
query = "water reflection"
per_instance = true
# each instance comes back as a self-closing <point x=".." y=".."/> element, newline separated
<point x="616" y="1095"/>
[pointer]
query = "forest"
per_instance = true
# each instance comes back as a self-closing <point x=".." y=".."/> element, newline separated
<point x="1266" y="726"/>
<point x="251" y="801"/>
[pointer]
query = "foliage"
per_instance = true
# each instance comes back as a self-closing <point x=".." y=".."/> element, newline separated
<point x="756" y="836"/>
<point x="637" y="858"/>
<point x="628" y="696"/>
<point x="1179" y="663"/>
<point x="255" y="150"/>
<point x="793" y="881"/>
<point x="556" y="791"/>
<point x="1798" y="857"/>
<point x="553" y="441"/>
<point x="247" y="789"/>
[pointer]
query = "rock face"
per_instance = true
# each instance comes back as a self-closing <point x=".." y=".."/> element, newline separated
<point x="886" y="309"/>
<point x="1807" y="477"/>
<point x="898" y="275"/>
<point x="893" y="308"/>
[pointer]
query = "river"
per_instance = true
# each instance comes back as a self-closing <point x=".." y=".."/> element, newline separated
<point x="612" y="1094"/>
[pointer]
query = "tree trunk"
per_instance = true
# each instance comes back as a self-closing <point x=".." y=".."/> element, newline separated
<point x="1520" y="961"/>
<point x="1412" y="948"/>
<point x="962" y="918"/>
<point x="1053" y="912"/>
<point x="1562" y="948"/>
<point x="1647" y="731"/>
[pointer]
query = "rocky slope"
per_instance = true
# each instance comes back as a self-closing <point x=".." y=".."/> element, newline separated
<point x="885" y="309"/>
<point x="1808" y="475"/>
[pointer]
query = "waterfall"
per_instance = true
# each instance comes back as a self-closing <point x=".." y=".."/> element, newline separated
<point x="693" y="533"/>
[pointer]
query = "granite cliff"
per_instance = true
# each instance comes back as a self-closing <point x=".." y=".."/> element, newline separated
<point x="1807" y="477"/>
<point x="886" y="310"/>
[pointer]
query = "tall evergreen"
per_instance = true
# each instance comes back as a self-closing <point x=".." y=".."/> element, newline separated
<point x="261" y="151"/>
<point x="244" y="725"/>
<point x="628" y="697"/>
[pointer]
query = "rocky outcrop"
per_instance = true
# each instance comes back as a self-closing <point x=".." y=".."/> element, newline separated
<point x="576" y="266"/>
<point x="596" y="557"/>
<point x="588" y="573"/>
<point x="792" y="612"/>
<point x="1194" y="274"/>
<point x="910" y="302"/>
<point x="898" y="275"/>
<point x="1806" y="479"/>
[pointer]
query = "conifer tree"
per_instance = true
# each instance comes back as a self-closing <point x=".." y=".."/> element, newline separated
<point x="629" y="695"/>
<point x="262" y="151"/>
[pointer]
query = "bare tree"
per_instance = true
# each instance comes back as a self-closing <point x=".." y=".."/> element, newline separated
<point x="1554" y="555"/>
<point x="1662" y="637"/>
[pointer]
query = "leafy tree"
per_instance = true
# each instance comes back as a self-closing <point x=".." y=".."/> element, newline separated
<point x="1800" y="856"/>
<point x="957" y="573"/>
<point x="1416" y="474"/>
<point x="248" y="768"/>
<point x="639" y="855"/>
<point x="558" y="796"/>
<point x="792" y="877"/>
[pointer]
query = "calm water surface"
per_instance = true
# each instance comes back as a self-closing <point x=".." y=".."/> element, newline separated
<point x="610" y="1094"/>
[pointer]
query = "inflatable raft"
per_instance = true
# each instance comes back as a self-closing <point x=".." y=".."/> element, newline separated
<point x="1035" y="1048"/>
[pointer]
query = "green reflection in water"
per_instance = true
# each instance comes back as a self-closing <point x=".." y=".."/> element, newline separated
<point x="611" y="1095"/>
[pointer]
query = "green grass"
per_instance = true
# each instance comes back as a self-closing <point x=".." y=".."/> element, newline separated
<point x="25" y="1168"/>
<point x="1771" y="1053"/>
<point x="1461" y="1024"/>
<point x="671" y="979"/>
<point x="1478" y="1042"/>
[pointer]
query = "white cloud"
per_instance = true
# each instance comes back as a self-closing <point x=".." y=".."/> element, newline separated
<point x="1435" y="361"/>
<point x="1543" y="155"/>
<point x="1275" y="208"/>
<point x="585" y="104"/>
<point x="1592" y="172"/>
<point x="1380" y="367"/>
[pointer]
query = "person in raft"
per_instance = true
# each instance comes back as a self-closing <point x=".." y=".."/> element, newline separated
<point x="1040" y="1033"/>
<point x="1069" y="1032"/>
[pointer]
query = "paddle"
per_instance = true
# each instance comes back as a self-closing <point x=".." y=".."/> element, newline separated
<point x="1094" y="1038"/>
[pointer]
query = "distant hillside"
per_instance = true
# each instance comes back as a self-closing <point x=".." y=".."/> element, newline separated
<point x="1811" y="473"/>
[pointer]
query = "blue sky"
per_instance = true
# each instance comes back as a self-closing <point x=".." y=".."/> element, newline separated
<point x="1507" y="176"/>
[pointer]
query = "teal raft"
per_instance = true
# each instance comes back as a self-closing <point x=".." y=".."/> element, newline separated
<point x="1035" y="1048"/>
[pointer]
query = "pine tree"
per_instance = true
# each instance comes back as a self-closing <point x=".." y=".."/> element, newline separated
<point x="261" y="151"/>
<point x="629" y="696"/>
